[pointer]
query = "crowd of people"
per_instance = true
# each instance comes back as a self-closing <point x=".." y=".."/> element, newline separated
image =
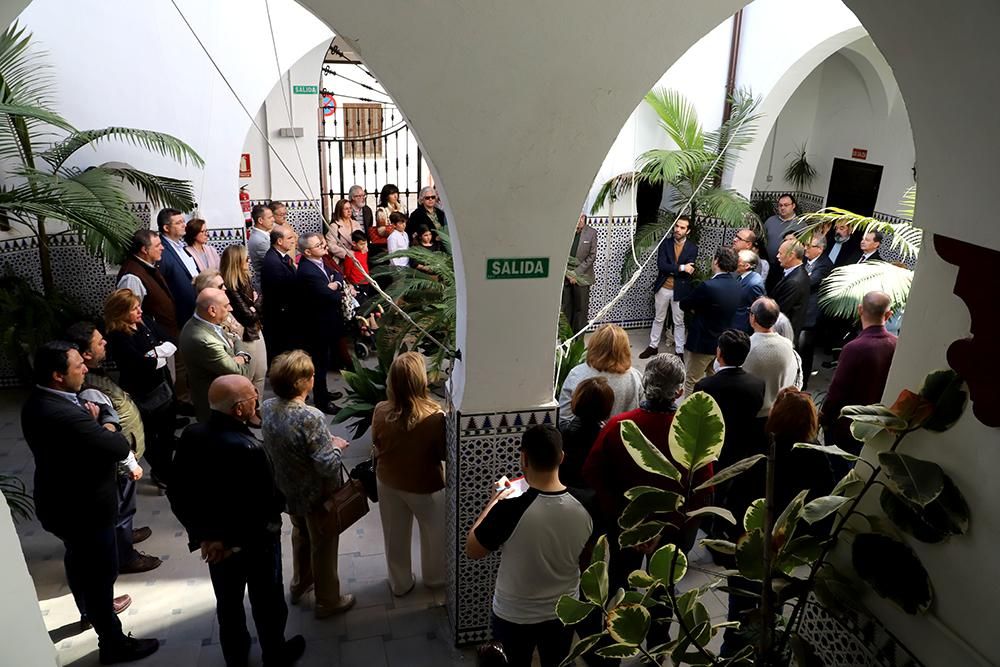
<point x="195" y="334"/>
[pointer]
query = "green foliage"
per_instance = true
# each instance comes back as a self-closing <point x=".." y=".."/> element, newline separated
<point x="893" y="570"/>
<point x="799" y="172"/>
<point x="645" y="454"/>
<point x="29" y="318"/>
<point x="732" y="471"/>
<point x="568" y="358"/>
<point x="20" y="502"/>
<point x="918" y="481"/>
<point x="697" y="432"/>
<point x="366" y="388"/>
<point x="946" y="515"/>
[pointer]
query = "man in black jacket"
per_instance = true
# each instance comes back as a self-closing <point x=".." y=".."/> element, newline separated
<point x="277" y="292"/>
<point x="792" y="289"/>
<point x="675" y="265"/>
<point x="713" y="304"/>
<point x="235" y="520"/>
<point x="818" y="266"/>
<point x="76" y="492"/>
<point x="319" y="315"/>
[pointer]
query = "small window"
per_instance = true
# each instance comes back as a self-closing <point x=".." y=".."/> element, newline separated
<point x="362" y="131"/>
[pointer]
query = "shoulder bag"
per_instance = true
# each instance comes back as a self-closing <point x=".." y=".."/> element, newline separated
<point x="347" y="504"/>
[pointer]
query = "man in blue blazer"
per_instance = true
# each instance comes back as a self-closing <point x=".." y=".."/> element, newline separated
<point x="177" y="265"/>
<point x="751" y="288"/>
<point x="818" y="266"/>
<point x="712" y="303"/>
<point x="675" y="261"/>
<point x="320" y="317"/>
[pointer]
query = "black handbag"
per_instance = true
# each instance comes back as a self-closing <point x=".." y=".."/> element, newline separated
<point x="156" y="398"/>
<point x="364" y="472"/>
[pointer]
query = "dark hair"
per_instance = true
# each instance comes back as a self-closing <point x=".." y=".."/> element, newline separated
<point x="765" y="311"/>
<point x="277" y="233"/>
<point x="795" y="202"/>
<point x="194" y="227"/>
<point x="793" y="416"/>
<point x="383" y="196"/>
<point x="163" y="217"/>
<point x="396" y="217"/>
<point x="338" y="208"/>
<point x="686" y="218"/>
<point x="542" y="447"/>
<point x="257" y="212"/>
<point x="52" y="357"/>
<point x="80" y="335"/>
<point x="141" y="239"/>
<point x="593" y="399"/>
<point x="725" y="257"/>
<point x="275" y="205"/>
<point x="877" y="235"/>
<point x="358" y="235"/>
<point x="421" y="229"/>
<point x="734" y="346"/>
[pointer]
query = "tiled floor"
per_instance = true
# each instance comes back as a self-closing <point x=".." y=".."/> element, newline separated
<point x="175" y="602"/>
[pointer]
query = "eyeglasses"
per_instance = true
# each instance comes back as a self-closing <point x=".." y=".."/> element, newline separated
<point x="244" y="400"/>
<point x="740" y="238"/>
<point x="430" y="198"/>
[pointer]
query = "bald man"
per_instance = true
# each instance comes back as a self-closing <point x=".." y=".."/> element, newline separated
<point x="234" y="519"/>
<point x="208" y="350"/>
<point x="862" y="372"/>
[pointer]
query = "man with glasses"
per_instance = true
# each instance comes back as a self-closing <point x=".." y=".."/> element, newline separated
<point x="428" y="213"/>
<point x="746" y="239"/>
<point x="319" y="315"/>
<point x="818" y="266"/>
<point x="360" y="211"/>
<point x="775" y="229"/>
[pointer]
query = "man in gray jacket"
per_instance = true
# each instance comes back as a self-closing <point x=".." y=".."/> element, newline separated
<point x="576" y="296"/>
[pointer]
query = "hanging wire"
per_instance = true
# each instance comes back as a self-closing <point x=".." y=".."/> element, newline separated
<point x="455" y="354"/>
<point x="337" y="51"/>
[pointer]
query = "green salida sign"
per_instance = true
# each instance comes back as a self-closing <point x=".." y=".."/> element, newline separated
<point x="305" y="90"/>
<point x="501" y="268"/>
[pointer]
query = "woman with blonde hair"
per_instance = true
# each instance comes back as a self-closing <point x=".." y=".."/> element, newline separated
<point x="307" y="470"/>
<point x="235" y="271"/>
<point x="609" y="355"/>
<point x="408" y="435"/>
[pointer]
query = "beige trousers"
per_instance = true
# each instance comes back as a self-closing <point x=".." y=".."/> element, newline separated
<point x="258" y="363"/>
<point x="397" y="509"/>
<point x="696" y="366"/>
<point x="314" y="559"/>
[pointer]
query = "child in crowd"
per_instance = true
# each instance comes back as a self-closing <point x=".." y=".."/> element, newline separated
<point x="398" y="240"/>
<point x="352" y="272"/>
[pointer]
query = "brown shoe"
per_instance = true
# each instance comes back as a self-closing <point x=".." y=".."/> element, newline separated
<point x="141" y="534"/>
<point x="119" y="604"/>
<point x="346" y="602"/>
<point x="648" y="352"/>
<point x="141" y="563"/>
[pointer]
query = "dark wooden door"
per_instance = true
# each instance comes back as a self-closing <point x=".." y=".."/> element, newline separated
<point x="854" y="186"/>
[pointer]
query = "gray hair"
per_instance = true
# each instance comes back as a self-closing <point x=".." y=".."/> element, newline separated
<point x="663" y="376"/>
<point x="750" y="257"/>
<point x="354" y="190"/>
<point x="424" y="190"/>
<point x="304" y="240"/>
<point x="818" y="239"/>
<point x="784" y="327"/>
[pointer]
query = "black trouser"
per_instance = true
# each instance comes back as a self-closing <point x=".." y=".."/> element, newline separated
<point x="255" y="570"/>
<point x="126" y="511"/>
<point x="551" y="638"/>
<point x="576" y="304"/>
<point x="807" y="350"/>
<point x="320" y="348"/>
<point x="160" y="440"/>
<point x="277" y="339"/>
<point x="91" y="569"/>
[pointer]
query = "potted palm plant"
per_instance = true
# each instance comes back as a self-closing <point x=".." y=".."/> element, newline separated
<point x="799" y="172"/>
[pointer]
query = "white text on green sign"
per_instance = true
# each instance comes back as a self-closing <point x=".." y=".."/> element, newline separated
<point x="517" y="267"/>
<point x="305" y="90"/>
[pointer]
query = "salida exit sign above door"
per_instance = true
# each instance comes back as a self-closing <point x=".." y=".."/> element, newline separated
<point x="508" y="268"/>
<point x="859" y="153"/>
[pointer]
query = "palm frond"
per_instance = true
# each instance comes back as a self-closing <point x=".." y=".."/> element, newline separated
<point x="661" y="165"/>
<point x="908" y="204"/>
<point x="905" y="237"/>
<point x="841" y="292"/>
<point x="158" y="190"/>
<point x="36" y="113"/>
<point x="738" y="132"/>
<point x="154" y="142"/>
<point x="727" y="205"/>
<point x="22" y="506"/>
<point x="645" y="240"/>
<point x="678" y="118"/>
<point x="613" y="189"/>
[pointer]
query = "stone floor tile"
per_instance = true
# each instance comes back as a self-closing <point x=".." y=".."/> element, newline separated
<point x="367" y="622"/>
<point x="407" y="622"/>
<point x="370" y="593"/>
<point x="368" y="652"/>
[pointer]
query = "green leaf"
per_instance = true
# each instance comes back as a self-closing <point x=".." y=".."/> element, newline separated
<point x="697" y="432"/>
<point x="645" y="454"/>
<point x="750" y="555"/>
<point x="835" y="591"/>
<point x="754" y="517"/>
<point x="600" y="552"/>
<point x="637" y="491"/>
<point x="668" y="564"/>
<point x="946" y="515"/>
<point x="35" y="113"/>
<point x="833" y="450"/>
<point x="641" y="579"/>
<point x="616" y="599"/>
<point x="719" y="546"/>
<point x="822" y="507"/>
<point x="893" y="570"/>
<point x="698" y="622"/>
<point x="878" y="415"/>
<point x="646" y="504"/>
<point x="865" y="432"/>
<point x="784" y="526"/>
<point x="728" y="473"/>
<point x="916" y="480"/>
<point x="944" y="390"/>
<point x="849" y="486"/>
<point x="571" y="611"/>
<point x="618" y="651"/>
<point x="845" y="287"/>
<point x="641" y="534"/>
<point x="628" y="624"/>
<point x="720" y="512"/>
<point x="581" y="647"/>
<point x="912" y="408"/>
<point x="804" y="550"/>
<point x="594" y="583"/>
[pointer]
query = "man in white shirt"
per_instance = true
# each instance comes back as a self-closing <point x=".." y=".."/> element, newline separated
<point x="870" y="243"/>
<point x="259" y="241"/>
<point x="772" y="357"/>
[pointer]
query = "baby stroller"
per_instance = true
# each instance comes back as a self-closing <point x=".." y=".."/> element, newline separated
<point x="362" y="327"/>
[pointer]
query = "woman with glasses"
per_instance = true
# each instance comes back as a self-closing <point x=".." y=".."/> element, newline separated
<point x="428" y="213"/>
<point x="196" y="239"/>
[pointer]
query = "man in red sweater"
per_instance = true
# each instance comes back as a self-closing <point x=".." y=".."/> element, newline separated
<point x="862" y="372"/>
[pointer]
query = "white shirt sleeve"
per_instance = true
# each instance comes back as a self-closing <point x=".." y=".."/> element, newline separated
<point x="399" y="241"/>
<point x="130" y="462"/>
<point x="131" y="282"/>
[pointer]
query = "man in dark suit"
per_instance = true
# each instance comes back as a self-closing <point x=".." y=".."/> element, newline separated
<point x="278" y="292"/>
<point x="870" y="244"/>
<point x="843" y="245"/>
<point x="675" y="263"/>
<point x="792" y="290"/>
<point x="319" y="314"/>
<point x="751" y="288"/>
<point x="818" y="266"/>
<point x="862" y="372"/>
<point x="177" y="265"/>
<point x="76" y="492"/>
<point x="713" y="304"/>
<point x="576" y="297"/>
<point x="235" y="520"/>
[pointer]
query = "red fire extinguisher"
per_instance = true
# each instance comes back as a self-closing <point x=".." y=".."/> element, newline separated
<point x="245" y="205"/>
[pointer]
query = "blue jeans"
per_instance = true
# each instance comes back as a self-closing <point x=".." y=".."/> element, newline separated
<point x="551" y="638"/>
